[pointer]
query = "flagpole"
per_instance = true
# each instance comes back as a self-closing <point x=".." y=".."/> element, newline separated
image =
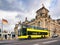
<point x="2" y="29"/>
<point x="2" y="25"/>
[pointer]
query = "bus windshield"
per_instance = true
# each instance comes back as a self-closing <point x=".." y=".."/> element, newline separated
<point x="22" y="31"/>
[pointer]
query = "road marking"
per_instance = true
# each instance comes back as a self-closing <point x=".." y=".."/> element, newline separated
<point x="30" y="41"/>
<point x="50" y="42"/>
<point x="1" y="42"/>
<point x="35" y="44"/>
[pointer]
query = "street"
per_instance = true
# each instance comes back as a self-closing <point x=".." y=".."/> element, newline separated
<point x="51" y="41"/>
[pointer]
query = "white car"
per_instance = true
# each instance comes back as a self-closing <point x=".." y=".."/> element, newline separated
<point x="54" y="36"/>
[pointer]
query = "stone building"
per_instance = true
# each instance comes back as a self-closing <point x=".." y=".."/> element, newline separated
<point x="43" y="19"/>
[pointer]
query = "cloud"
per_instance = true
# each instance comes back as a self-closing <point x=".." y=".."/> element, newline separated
<point x="11" y="5"/>
<point x="30" y="8"/>
<point x="21" y="5"/>
<point x="55" y="9"/>
<point x="10" y="17"/>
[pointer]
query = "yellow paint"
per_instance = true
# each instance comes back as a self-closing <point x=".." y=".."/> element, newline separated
<point x="35" y="36"/>
<point x="22" y="37"/>
<point x="29" y="29"/>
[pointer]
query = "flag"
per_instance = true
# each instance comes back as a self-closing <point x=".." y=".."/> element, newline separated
<point x="4" y="21"/>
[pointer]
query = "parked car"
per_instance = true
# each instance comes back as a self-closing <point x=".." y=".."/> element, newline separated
<point x="54" y="36"/>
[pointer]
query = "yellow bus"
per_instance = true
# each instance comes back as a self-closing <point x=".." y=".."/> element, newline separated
<point x="29" y="32"/>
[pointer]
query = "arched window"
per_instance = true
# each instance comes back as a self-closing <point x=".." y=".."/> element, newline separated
<point x="39" y="23"/>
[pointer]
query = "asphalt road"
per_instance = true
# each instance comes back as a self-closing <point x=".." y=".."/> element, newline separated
<point x="50" y="41"/>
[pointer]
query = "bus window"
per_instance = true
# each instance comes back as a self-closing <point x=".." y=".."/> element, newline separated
<point x="28" y="26"/>
<point x="29" y="33"/>
<point x="38" y="33"/>
<point x="32" y="33"/>
<point x="24" y="31"/>
<point x="43" y="33"/>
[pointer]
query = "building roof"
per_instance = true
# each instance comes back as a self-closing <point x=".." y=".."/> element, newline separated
<point x="43" y="7"/>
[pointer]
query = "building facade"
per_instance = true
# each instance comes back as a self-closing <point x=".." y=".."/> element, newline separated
<point x="43" y="19"/>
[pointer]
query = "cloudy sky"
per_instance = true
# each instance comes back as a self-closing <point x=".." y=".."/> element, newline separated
<point x="16" y="10"/>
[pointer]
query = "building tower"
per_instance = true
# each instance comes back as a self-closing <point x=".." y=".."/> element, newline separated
<point x="42" y="14"/>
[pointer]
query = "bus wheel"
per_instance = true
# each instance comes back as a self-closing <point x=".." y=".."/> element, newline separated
<point x="29" y="37"/>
